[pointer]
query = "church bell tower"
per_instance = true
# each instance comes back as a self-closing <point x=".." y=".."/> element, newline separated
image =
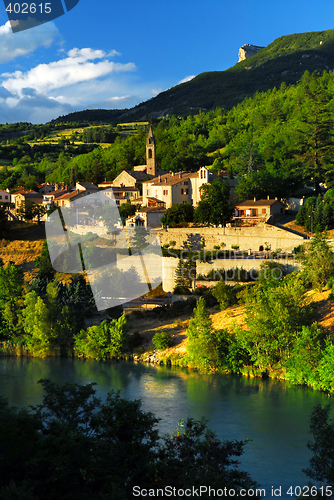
<point x="150" y="154"/>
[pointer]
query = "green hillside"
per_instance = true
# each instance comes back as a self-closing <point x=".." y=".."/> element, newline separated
<point x="284" y="60"/>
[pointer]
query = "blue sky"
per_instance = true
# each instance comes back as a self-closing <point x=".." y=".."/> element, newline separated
<point x="105" y="54"/>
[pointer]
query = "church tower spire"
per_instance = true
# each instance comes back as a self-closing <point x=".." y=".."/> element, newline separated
<point x="151" y="154"/>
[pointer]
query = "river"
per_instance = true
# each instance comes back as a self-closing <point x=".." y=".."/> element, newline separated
<point x="274" y="415"/>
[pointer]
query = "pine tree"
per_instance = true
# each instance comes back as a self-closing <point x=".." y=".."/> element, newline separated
<point x="183" y="273"/>
<point x="201" y="346"/>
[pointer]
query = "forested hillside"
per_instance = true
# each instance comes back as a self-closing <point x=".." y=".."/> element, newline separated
<point x="284" y="60"/>
<point x="274" y="141"/>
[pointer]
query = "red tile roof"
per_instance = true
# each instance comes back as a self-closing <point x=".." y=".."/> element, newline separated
<point x="258" y="203"/>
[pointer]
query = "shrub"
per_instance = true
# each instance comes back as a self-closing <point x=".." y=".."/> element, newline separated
<point x="199" y="290"/>
<point x="182" y="290"/>
<point x="162" y="340"/>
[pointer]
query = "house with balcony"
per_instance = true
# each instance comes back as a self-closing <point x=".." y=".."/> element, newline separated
<point x="49" y="199"/>
<point x="123" y="194"/>
<point x="259" y="209"/>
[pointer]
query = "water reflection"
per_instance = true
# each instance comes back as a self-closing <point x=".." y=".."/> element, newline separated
<point x="273" y="414"/>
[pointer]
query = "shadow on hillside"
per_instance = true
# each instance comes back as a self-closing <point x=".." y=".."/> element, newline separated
<point x="26" y="231"/>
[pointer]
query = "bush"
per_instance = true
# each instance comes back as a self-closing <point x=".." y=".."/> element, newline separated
<point x="224" y="294"/>
<point x="199" y="290"/>
<point x="191" y="301"/>
<point x="104" y="341"/>
<point x="210" y="300"/>
<point x="182" y="290"/>
<point x="162" y="340"/>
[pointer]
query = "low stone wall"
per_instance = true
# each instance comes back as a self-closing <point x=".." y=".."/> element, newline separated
<point x="248" y="264"/>
<point x="247" y="238"/>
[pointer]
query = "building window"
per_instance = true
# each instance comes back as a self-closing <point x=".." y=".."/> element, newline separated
<point x="147" y="192"/>
<point x="181" y="191"/>
<point x="201" y="174"/>
<point x="150" y="153"/>
<point x="117" y="203"/>
<point x="185" y="183"/>
<point x="0" y="196"/>
<point x="165" y="192"/>
<point x="186" y="191"/>
<point x="6" y="197"/>
<point x="264" y="211"/>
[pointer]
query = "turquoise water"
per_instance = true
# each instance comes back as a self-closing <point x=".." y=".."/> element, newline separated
<point x="272" y="414"/>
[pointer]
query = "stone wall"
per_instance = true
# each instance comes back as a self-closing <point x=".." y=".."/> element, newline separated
<point x="248" y="264"/>
<point x="248" y="238"/>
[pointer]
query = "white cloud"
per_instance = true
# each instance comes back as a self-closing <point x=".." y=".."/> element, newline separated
<point x="82" y="78"/>
<point x="24" y="42"/>
<point x="90" y="54"/>
<point x="118" y="98"/>
<point x="79" y="66"/>
<point x="186" y="79"/>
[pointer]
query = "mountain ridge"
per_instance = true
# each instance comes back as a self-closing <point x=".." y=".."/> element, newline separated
<point x="283" y="60"/>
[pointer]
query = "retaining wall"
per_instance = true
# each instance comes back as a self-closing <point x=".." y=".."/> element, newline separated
<point x="170" y="264"/>
<point x="247" y="238"/>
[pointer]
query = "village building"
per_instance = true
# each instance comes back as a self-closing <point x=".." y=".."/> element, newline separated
<point x="259" y="209"/>
<point x="18" y="190"/>
<point x="146" y="217"/>
<point x="150" y="202"/>
<point x="124" y="195"/>
<point x="50" y="197"/>
<point x="5" y="196"/>
<point x="21" y="198"/>
<point x="105" y="184"/>
<point x="89" y="187"/>
<point x="66" y="199"/>
<point x="49" y="187"/>
<point x="182" y="187"/>
<point x="130" y="178"/>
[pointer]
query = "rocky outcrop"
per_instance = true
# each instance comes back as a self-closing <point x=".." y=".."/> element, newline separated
<point x="248" y="50"/>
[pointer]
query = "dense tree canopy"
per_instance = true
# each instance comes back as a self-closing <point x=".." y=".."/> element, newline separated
<point x="214" y="206"/>
<point x="178" y="213"/>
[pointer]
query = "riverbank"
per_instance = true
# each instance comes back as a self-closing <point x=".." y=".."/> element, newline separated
<point x="229" y="319"/>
